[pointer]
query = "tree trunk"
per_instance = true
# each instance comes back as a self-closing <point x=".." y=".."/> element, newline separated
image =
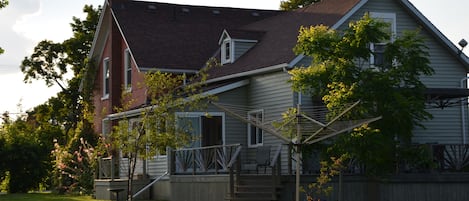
<point x="131" y="171"/>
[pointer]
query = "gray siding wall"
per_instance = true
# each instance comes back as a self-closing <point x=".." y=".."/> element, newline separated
<point x="157" y="166"/>
<point x="235" y="130"/>
<point x="446" y="126"/>
<point x="273" y="94"/>
<point x="241" y="47"/>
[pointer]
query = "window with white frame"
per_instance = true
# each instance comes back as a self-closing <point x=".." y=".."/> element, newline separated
<point x="377" y="56"/>
<point x="127" y="70"/>
<point x="226" y="51"/>
<point x="255" y="134"/>
<point x="106" y="80"/>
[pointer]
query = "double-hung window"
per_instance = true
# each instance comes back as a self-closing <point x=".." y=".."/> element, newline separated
<point x="127" y="70"/>
<point x="106" y="80"/>
<point x="377" y="56"/>
<point x="255" y="134"/>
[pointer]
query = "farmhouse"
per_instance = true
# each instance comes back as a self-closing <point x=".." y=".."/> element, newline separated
<point x="254" y="48"/>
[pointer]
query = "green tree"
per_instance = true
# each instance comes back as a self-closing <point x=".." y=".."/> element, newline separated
<point x="70" y="109"/>
<point x="294" y="4"/>
<point x="341" y="73"/>
<point x="51" y="62"/>
<point x="3" y="3"/>
<point x="25" y="156"/>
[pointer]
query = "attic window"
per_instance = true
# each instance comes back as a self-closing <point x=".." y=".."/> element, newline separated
<point x="377" y="56"/>
<point x="227" y="51"/>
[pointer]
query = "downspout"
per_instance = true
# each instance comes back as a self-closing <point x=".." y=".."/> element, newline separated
<point x="463" y="115"/>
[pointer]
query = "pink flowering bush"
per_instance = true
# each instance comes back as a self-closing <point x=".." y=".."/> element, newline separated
<point x="74" y="170"/>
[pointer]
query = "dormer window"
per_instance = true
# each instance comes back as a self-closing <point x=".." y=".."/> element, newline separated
<point x="226" y="51"/>
<point x="377" y="56"/>
<point x="234" y="43"/>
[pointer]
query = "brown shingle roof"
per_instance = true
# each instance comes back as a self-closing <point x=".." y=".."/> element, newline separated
<point x="281" y="31"/>
<point x="178" y="37"/>
<point x="245" y="34"/>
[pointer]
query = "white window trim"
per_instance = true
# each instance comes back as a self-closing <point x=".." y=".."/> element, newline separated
<point x="379" y="15"/>
<point x="127" y="60"/>
<point x="223" y="51"/>
<point x="106" y="69"/>
<point x="200" y="114"/>
<point x="256" y="144"/>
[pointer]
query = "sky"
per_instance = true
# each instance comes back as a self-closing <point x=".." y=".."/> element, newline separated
<point x="24" y="23"/>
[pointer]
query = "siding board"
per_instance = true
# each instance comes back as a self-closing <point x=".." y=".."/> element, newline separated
<point x="446" y="126"/>
<point x="242" y="47"/>
<point x="273" y="94"/>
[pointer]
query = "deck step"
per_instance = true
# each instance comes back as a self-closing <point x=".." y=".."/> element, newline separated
<point x="255" y="188"/>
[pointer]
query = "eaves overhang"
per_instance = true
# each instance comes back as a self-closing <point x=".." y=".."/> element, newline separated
<point x="168" y="70"/>
<point x="139" y="111"/>
<point x="273" y="68"/>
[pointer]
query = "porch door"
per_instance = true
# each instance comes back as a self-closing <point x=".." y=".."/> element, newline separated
<point x="211" y="130"/>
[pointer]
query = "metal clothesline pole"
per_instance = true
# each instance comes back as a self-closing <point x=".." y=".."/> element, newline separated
<point x="298" y="140"/>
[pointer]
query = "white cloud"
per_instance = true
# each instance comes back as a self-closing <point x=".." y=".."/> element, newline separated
<point x="28" y="95"/>
<point x="23" y="24"/>
<point x="16" y="45"/>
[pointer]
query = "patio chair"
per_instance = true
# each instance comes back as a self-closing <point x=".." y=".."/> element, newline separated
<point x="263" y="158"/>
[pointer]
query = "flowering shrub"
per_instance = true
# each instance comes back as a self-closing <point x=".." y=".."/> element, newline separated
<point x="74" y="172"/>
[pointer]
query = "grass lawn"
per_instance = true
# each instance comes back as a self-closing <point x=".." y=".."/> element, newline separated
<point x="44" y="197"/>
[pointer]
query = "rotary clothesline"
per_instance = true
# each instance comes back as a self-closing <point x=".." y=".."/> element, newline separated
<point x="312" y="129"/>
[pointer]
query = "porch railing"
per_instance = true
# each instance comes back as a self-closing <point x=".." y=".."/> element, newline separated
<point x="107" y="168"/>
<point x="234" y="167"/>
<point x="276" y="170"/>
<point x="204" y="160"/>
<point x="451" y="157"/>
<point x="423" y="158"/>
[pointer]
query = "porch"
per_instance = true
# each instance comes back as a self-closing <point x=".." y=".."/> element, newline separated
<point x="221" y="172"/>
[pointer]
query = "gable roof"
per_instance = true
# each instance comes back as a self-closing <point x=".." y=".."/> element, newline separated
<point x="172" y="37"/>
<point x="180" y="38"/>
<point x="280" y="35"/>
<point x="436" y="33"/>
<point x="281" y="31"/>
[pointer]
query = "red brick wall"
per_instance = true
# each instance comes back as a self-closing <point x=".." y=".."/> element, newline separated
<point x="114" y="50"/>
